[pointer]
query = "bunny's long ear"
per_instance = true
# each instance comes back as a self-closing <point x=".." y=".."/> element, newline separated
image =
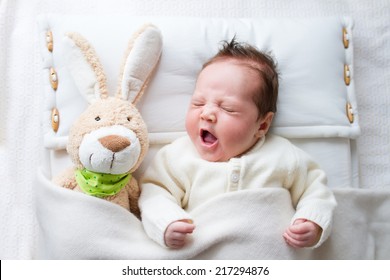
<point x="85" y="67"/>
<point x="141" y="58"/>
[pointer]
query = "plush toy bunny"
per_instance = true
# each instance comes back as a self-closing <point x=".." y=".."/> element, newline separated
<point x="110" y="139"/>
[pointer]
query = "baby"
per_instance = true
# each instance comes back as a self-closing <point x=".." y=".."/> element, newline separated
<point x="228" y="149"/>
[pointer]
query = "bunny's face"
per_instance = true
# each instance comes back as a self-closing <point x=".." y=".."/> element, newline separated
<point x="109" y="137"/>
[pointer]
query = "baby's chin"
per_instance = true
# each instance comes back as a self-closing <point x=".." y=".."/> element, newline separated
<point x="211" y="158"/>
<point x="212" y="151"/>
<point x="219" y="154"/>
<point x="214" y="156"/>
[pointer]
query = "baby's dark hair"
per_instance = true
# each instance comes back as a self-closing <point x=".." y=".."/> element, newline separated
<point x="259" y="61"/>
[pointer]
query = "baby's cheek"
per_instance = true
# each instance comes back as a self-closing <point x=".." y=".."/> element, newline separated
<point x="190" y="122"/>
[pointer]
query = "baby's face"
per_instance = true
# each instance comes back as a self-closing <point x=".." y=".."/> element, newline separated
<point x="222" y="119"/>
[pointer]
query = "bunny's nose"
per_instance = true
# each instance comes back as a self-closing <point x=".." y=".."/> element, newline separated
<point x="115" y="143"/>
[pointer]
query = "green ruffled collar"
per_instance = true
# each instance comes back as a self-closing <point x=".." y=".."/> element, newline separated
<point x="101" y="184"/>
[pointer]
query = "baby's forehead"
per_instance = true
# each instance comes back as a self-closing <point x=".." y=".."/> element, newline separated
<point x="248" y="66"/>
<point x="230" y="75"/>
<point x="244" y="61"/>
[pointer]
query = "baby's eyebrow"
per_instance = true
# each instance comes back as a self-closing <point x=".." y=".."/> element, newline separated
<point x="197" y="98"/>
<point x="196" y="102"/>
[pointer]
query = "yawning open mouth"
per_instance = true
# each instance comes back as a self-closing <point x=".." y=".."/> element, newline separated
<point x="207" y="137"/>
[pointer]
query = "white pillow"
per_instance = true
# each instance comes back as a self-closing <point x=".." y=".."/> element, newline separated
<point x="314" y="99"/>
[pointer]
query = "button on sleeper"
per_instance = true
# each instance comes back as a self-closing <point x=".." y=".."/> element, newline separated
<point x="235" y="177"/>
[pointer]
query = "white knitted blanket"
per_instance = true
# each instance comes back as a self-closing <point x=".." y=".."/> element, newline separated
<point x="239" y="225"/>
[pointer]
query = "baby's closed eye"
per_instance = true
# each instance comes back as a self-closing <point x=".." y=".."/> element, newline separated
<point x="228" y="109"/>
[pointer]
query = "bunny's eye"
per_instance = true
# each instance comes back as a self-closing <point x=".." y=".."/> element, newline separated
<point x="97" y="118"/>
<point x="128" y="118"/>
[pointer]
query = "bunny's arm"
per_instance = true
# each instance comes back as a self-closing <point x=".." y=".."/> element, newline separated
<point x="66" y="179"/>
<point x="133" y="192"/>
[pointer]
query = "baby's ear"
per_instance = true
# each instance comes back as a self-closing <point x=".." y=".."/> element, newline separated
<point x="141" y="58"/>
<point x="265" y="124"/>
<point x="85" y="67"/>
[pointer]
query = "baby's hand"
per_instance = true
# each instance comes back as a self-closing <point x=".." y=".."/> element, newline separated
<point x="176" y="233"/>
<point x="303" y="233"/>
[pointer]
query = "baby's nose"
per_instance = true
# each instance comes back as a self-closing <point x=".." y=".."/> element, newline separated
<point x="208" y="115"/>
<point x="114" y="143"/>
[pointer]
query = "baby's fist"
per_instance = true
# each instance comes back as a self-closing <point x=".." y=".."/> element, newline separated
<point x="176" y="232"/>
<point x="302" y="233"/>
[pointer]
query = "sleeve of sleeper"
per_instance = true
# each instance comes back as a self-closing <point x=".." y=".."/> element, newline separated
<point x="161" y="195"/>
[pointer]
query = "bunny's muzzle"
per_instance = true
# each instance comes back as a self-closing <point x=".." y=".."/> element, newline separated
<point x="113" y="150"/>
